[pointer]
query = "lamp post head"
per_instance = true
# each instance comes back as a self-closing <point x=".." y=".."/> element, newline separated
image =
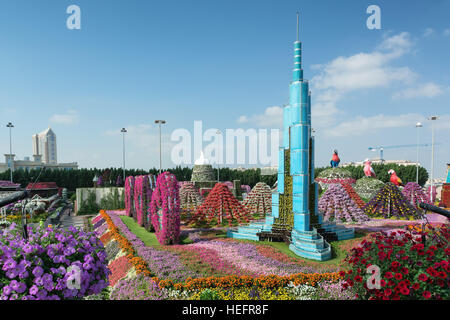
<point x="123" y="130"/>
<point x="10" y="125"/>
<point x="433" y="118"/>
<point x="419" y="124"/>
<point x="160" y="121"/>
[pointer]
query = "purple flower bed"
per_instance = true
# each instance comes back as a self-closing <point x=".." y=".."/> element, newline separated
<point x="8" y="184"/>
<point x="164" y="264"/>
<point x="39" y="268"/>
<point x="99" y="223"/>
<point x="338" y="206"/>
<point x="137" y="288"/>
<point x="414" y="193"/>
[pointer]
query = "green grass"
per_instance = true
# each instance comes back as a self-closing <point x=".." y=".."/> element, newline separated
<point x="149" y="238"/>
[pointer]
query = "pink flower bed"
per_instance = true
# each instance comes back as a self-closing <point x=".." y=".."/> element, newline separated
<point x="117" y="212"/>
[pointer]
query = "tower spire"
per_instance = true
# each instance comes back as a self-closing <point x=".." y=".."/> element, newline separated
<point x="298" y="72"/>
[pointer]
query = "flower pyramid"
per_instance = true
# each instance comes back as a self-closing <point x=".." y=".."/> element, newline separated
<point x="368" y="187"/>
<point x="338" y="206"/>
<point x="390" y="202"/>
<point x="352" y="193"/>
<point x="220" y="204"/>
<point x="414" y="193"/>
<point x="334" y="175"/>
<point x="190" y="198"/>
<point x="259" y="201"/>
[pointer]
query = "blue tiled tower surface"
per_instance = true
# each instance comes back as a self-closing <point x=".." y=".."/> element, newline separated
<point x="294" y="205"/>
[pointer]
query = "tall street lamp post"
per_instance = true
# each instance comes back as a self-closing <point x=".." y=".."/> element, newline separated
<point x="10" y="126"/>
<point x="218" y="132"/>
<point x="432" y="118"/>
<point x="123" y="153"/>
<point x="160" y="122"/>
<point x="418" y="125"/>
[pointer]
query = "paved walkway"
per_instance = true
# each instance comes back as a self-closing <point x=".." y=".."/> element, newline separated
<point x="71" y="220"/>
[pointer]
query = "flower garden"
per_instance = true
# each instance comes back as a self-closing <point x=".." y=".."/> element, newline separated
<point x="169" y="243"/>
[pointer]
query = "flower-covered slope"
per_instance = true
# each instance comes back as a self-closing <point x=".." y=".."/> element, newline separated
<point x="389" y="202"/>
<point x="221" y="205"/>
<point x="259" y="201"/>
<point x="338" y="206"/>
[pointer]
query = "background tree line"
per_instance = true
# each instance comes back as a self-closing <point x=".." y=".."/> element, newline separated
<point x="79" y="178"/>
<point x="406" y="173"/>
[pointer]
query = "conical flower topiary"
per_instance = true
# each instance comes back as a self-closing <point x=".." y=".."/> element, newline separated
<point x="338" y="206"/>
<point x="221" y="205"/>
<point x="389" y="202"/>
<point x="190" y="199"/>
<point x="352" y="193"/>
<point x="367" y="187"/>
<point x="334" y="175"/>
<point x="414" y="193"/>
<point x="259" y="201"/>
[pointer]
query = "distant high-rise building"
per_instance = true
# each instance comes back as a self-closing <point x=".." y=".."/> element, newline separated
<point x="44" y="145"/>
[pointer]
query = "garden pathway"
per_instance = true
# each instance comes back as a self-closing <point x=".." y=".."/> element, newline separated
<point x="70" y="219"/>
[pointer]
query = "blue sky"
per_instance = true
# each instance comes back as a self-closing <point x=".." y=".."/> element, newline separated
<point x="227" y="63"/>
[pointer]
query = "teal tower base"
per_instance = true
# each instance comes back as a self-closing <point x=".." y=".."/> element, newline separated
<point x="295" y="218"/>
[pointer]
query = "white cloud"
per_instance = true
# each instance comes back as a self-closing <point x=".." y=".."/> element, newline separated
<point x="70" y="117"/>
<point x="358" y="72"/>
<point x="144" y="137"/>
<point x="428" y="90"/>
<point x="368" y="125"/>
<point x="272" y="117"/>
<point x="428" y="32"/>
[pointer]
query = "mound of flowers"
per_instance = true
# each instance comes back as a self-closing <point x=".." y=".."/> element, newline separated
<point x="414" y="193"/>
<point x="338" y="206"/>
<point x="334" y="175"/>
<point x="165" y="209"/>
<point x="220" y="205"/>
<point x="389" y="203"/>
<point x="367" y="187"/>
<point x="51" y="264"/>
<point x="352" y="193"/>
<point x="190" y="199"/>
<point x="259" y="201"/>
<point x="129" y="196"/>
<point x="142" y="198"/>
<point x="408" y="268"/>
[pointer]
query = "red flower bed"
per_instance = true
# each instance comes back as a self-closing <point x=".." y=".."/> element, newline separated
<point x="119" y="268"/>
<point x="221" y="205"/>
<point x="408" y="268"/>
<point x="106" y="238"/>
<point x="351" y="192"/>
<point x="42" y="185"/>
